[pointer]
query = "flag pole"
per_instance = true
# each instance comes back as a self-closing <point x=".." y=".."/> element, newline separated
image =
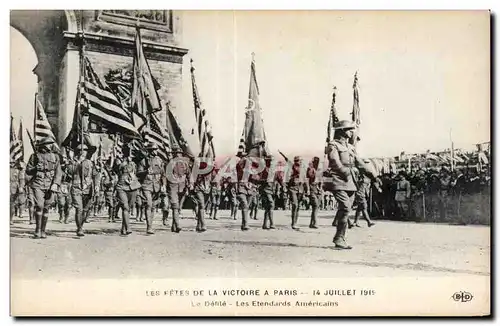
<point x="452" y="152"/>
<point x="35" y="113"/>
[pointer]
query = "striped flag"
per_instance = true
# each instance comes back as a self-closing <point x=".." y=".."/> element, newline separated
<point x="144" y="98"/>
<point x="176" y="137"/>
<point x="21" y="140"/>
<point x="253" y="138"/>
<point x="42" y="125"/>
<point x="16" y="148"/>
<point x="102" y="105"/>
<point x="356" y="114"/>
<point x="204" y="131"/>
<point x="155" y="133"/>
<point x="332" y="118"/>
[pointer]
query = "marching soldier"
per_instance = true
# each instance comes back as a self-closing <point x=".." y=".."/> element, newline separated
<point x="253" y="198"/>
<point x="126" y="187"/>
<point x="64" y="196"/>
<point x="201" y="188"/>
<point x="177" y="185"/>
<point x="295" y="190"/>
<point x="266" y="189"/>
<point x="215" y="195"/>
<point x="233" y="198"/>
<point x="342" y="159"/>
<point x="108" y="183"/>
<point x="243" y="192"/>
<point x="17" y="182"/>
<point x="313" y="186"/>
<point x="151" y="173"/>
<point x="45" y="168"/>
<point x="84" y="185"/>
<point x="403" y="192"/>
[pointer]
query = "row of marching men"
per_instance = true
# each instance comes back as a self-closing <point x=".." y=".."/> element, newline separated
<point x="83" y="184"/>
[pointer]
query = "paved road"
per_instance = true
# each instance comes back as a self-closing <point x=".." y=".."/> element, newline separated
<point x="387" y="249"/>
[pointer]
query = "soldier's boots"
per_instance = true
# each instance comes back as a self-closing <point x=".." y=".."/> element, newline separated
<point x="125" y="223"/>
<point x="43" y="225"/>
<point x="295" y="217"/>
<point x="244" y="218"/>
<point x="339" y="238"/>
<point x="111" y="215"/>
<point x="79" y="220"/>
<point x="200" y="226"/>
<point x="149" y="221"/>
<point x="175" y="221"/>
<point x="165" y="217"/>
<point x="38" y="225"/>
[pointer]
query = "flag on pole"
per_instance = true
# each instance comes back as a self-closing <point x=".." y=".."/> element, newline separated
<point x="144" y="97"/>
<point x="175" y="134"/>
<point x="102" y="105"/>
<point x="42" y="125"/>
<point x="21" y="140"/>
<point x="15" y="144"/>
<point x="356" y="114"/>
<point x="253" y="138"/>
<point x="155" y="133"/>
<point x="332" y="118"/>
<point x="203" y="126"/>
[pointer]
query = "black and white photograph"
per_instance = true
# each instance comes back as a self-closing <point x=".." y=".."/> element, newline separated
<point x="250" y="163"/>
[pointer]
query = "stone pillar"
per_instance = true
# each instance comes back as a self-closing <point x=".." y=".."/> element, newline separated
<point x="68" y="84"/>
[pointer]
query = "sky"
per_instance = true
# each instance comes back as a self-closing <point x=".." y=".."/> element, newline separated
<point x="423" y="76"/>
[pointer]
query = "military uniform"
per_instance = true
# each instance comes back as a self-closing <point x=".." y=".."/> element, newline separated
<point x="402" y="196"/>
<point x="108" y="183"/>
<point x="233" y="198"/>
<point x="64" y="196"/>
<point x="83" y="187"/>
<point x="45" y="169"/>
<point x="177" y="186"/>
<point x="201" y="189"/>
<point x="266" y="190"/>
<point x="151" y="172"/>
<point x="314" y="191"/>
<point x="243" y="192"/>
<point x="126" y="188"/>
<point x="253" y="198"/>
<point x="361" y="199"/>
<point x="215" y="196"/>
<point x="342" y="158"/>
<point x="296" y="189"/>
<point x="17" y="182"/>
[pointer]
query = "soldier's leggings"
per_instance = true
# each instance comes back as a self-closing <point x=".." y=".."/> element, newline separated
<point x="149" y="198"/>
<point x="174" y="190"/>
<point x="296" y="198"/>
<point x="199" y="197"/>
<point x="43" y="199"/>
<point x="344" y="201"/>
<point x="125" y="200"/>
<point x="82" y="204"/>
<point x="243" y="200"/>
<point x="268" y="205"/>
<point x="214" y="204"/>
<point x="315" y="204"/>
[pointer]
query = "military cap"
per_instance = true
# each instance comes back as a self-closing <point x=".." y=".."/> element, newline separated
<point x="296" y="158"/>
<point x="344" y="124"/>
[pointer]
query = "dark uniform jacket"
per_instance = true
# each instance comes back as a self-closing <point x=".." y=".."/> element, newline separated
<point x="45" y="169"/>
<point x="84" y="176"/>
<point x="151" y="172"/>
<point x="127" y="177"/>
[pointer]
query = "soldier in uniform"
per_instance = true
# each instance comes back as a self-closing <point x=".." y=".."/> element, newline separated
<point x="84" y="184"/>
<point x="361" y="196"/>
<point x="253" y="198"/>
<point x="403" y="192"/>
<point x="45" y="169"/>
<point x="126" y="187"/>
<point x="151" y="174"/>
<point x="215" y="195"/>
<point x="233" y="198"/>
<point x="64" y="196"/>
<point x="177" y="185"/>
<point x="201" y="189"/>
<point x="314" y="189"/>
<point x="243" y="192"/>
<point x="108" y="183"/>
<point x="17" y="181"/>
<point x="342" y="158"/>
<point x="266" y="189"/>
<point x="295" y="190"/>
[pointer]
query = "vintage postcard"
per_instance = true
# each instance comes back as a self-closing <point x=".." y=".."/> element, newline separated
<point x="250" y="163"/>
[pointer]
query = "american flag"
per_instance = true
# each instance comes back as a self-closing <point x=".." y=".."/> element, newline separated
<point x="356" y="118"/>
<point x="155" y="133"/>
<point x="42" y="125"/>
<point x="253" y="140"/>
<point x="16" y="146"/>
<point x="102" y="105"/>
<point x="204" y="131"/>
<point x="332" y="118"/>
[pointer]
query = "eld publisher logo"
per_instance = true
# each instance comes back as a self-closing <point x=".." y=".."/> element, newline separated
<point x="462" y="296"/>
